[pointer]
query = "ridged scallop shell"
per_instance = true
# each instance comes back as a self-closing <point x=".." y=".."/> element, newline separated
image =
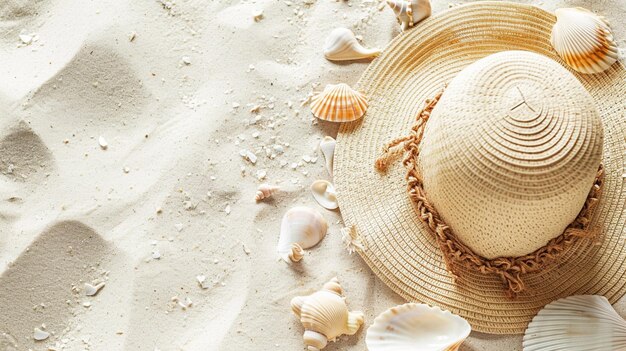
<point x="265" y="191"/>
<point x="417" y="327"/>
<point x="327" y="146"/>
<point x="341" y="45"/>
<point x="410" y="12"/>
<point x="576" y="323"/>
<point x="303" y="226"/>
<point x="339" y="103"/>
<point x="324" y="193"/>
<point x="325" y="316"/>
<point x="583" y="40"/>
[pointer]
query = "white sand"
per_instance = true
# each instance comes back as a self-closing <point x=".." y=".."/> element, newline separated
<point x="72" y="212"/>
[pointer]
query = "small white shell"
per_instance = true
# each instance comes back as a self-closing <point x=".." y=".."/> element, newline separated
<point x="341" y="45"/>
<point x="324" y="193"/>
<point x="92" y="290"/>
<point x="583" y="40"/>
<point x="417" y="327"/>
<point x="325" y="316"/>
<point x="410" y="12"/>
<point x="40" y="335"/>
<point x="265" y="191"/>
<point x="303" y="226"/>
<point x="576" y="323"/>
<point x="327" y="146"/>
<point x="339" y="103"/>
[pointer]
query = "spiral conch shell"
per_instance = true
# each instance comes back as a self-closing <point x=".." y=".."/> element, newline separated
<point x="265" y="191"/>
<point x="576" y="323"/>
<point x="341" y="45"/>
<point x="339" y="103"/>
<point x="583" y="40"/>
<point x="303" y="226"/>
<point x="417" y="327"/>
<point x="410" y="12"/>
<point x="325" y="316"/>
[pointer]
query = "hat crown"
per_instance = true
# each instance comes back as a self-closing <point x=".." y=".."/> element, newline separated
<point x="510" y="153"/>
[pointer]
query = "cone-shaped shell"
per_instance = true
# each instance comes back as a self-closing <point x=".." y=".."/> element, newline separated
<point x="325" y="316"/>
<point x="583" y="40"/>
<point x="341" y="45"/>
<point x="410" y="12"/>
<point x="576" y="323"/>
<point x="417" y="327"/>
<point x="303" y="226"/>
<point x="339" y="103"/>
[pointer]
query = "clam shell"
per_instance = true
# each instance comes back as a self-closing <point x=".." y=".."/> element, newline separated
<point x="303" y="226"/>
<point x="576" y="323"/>
<point x="410" y="12"/>
<point x="324" y="193"/>
<point x="417" y="327"/>
<point x="327" y="146"/>
<point x="341" y="45"/>
<point x="339" y="103"/>
<point x="583" y="40"/>
<point x="325" y="316"/>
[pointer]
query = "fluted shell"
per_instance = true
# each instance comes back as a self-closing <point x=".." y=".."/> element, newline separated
<point x="301" y="225"/>
<point x="327" y="147"/>
<point x="265" y="191"/>
<point x="341" y="45"/>
<point x="324" y="193"/>
<point x="410" y="12"/>
<point x="583" y="40"/>
<point x="416" y="327"/>
<point x="325" y="316"/>
<point x="339" y="103"/>
<point x="510" y="153"/>
<point x="576" y="323"/>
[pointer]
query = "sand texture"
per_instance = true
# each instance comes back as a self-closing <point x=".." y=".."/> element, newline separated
<point x="121" y="128"/>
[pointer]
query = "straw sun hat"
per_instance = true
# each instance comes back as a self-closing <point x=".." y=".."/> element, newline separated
<point x="486" y="177"/>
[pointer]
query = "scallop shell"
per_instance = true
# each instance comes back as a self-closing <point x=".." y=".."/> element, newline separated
<point x="410" y="12"/>
<point x="327" y="146"/>
<point x="583" y="40"/>
<point x="324" y="193"/>
<point x="417" y="327"/>
<point x="576" y="323"/>
<point x="303" y="226"/>
<point x="325" y="316"/>
<point x="341" y="45"/>
<point x="265" y="191"/>
<point x="339" y="103"/>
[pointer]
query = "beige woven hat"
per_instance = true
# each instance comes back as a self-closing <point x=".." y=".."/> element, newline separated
<point x="505" y="168"/>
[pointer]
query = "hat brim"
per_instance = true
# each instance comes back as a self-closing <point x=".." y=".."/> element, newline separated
<point x="397" y="246"/>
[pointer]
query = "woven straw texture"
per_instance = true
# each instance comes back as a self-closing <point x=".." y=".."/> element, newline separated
<point x="397" y="245"/>
<point x="510" y="152"/>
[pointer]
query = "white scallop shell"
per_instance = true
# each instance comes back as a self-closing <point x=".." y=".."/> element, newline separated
<point x="303" y="226"/>
<point x="327" y="146"/>
<point x="341" y="45"/>
<point x="417" y="327"/>
<point x="325" y="316"/>
<point x="324" y="193"/>
<point x="583" y="40"/>
<point x="576" y="323"/>
<point x="410" y="12"/>
<point x="339" y="103"/>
